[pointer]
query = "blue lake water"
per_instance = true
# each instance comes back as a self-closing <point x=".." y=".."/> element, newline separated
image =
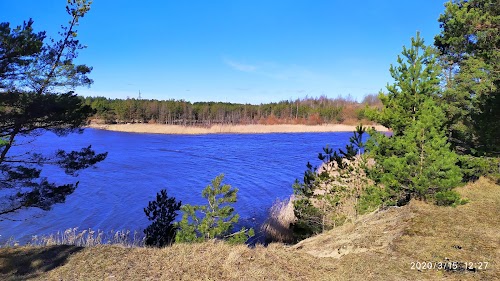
<point x="112" y="195"/>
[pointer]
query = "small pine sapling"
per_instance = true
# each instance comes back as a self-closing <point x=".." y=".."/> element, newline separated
<point x="162" y="212"/>
<point x="217" y="217"/>
<point x="326" y="189"/>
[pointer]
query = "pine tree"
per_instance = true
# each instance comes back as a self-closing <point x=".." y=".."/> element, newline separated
<point x="469" y="43"/>
<point x="416" y="161"/>
<point x="417" y="80"/>
<point x="32" y="70"/>
<point x="218" y="219"/>
<point x="320" y="199"/>
<point x="162" y="212"/>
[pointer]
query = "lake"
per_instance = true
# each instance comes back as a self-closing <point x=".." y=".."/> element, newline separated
<point x="112" y="195"/>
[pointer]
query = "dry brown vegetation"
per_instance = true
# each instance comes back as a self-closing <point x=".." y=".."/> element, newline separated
<point x="277" y="227"/>
<point x="227" y="129"/>
<point x="377" y="246"/>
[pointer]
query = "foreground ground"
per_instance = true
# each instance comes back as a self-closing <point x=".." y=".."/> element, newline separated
<point x="379" y="246"/>
<point x="228" y="129"/>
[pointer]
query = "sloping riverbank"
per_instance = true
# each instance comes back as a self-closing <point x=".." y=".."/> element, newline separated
<point x="390" y="244"/>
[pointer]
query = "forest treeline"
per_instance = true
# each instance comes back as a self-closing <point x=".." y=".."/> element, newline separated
<point x="310" y="111"/>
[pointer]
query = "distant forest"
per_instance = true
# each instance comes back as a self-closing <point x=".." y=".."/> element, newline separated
<point x="310" y="111"/>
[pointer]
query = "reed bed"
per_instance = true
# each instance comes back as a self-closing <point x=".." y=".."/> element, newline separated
<point x="85" y="238"/>
<point x="228" y="129"/>
<point x="277" y="227"/>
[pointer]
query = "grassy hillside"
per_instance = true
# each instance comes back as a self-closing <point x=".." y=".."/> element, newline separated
<point x="378" y="246"/>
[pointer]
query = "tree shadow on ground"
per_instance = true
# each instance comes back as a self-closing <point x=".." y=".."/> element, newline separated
<point x="21" y="263"/>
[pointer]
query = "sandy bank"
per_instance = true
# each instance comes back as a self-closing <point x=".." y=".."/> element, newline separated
<point x="227" y="129"/>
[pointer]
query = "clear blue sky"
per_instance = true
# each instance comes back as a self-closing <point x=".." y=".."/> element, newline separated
<point x="248" y="51"/>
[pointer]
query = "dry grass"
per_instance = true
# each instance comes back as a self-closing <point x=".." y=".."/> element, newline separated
<point x="388" y="241"/>
<point x="90" y="238"/>
<point x="228" y="129"/>
<point x="23" y="263"/>
<point x="377" y="246"/>
<point x="83" y="238"/>
<point x="374" y="232"/>
<point x="468" y="233"/>
<point x="277" y="227"/>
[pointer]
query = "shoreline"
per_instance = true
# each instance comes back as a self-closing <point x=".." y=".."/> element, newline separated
<point x="228" y="129"/>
